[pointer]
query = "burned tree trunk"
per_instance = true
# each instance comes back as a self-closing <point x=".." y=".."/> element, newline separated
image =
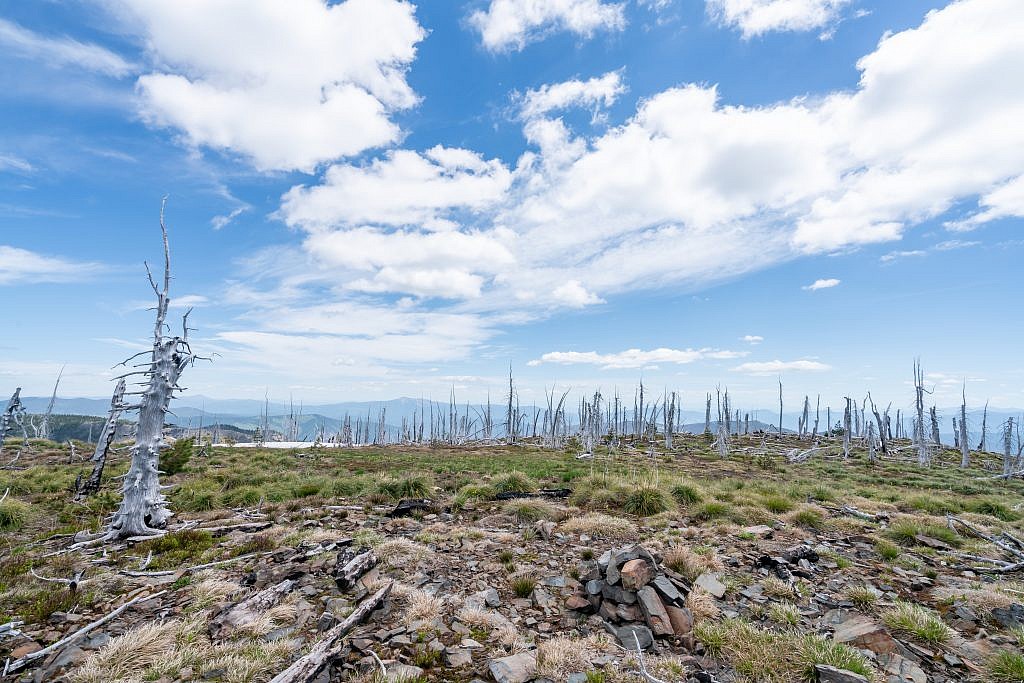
<point x="13" y="414"/>
<point x="143" y="511"/>
<point x="99" y="456"/>
<point x="883" y="425"/>
<point x="984" y="428"/>
<point x="44" y="428"/>
<point x="924" y="456"/>
<point x="965" y="447"/>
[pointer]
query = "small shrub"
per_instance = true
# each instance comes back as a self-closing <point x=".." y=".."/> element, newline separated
<point x="916" y="621"/>
<point x="645" y="501"/>
<point x="410" y="486"/>
<point x="174" y="459"/>
<point x="713" y="634"/>
<point x="994" y="508"/>
<point x="244" y="496"/>
<point x="690" y="564"/>
<point x="1006" y="667"/>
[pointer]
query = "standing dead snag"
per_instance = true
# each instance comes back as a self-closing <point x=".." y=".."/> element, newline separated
<point x="99" y="456"/>
<point x="142" y="511"/>
<point x="965" y="448"/>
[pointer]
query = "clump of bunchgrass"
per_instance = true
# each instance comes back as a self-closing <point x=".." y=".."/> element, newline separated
<point x="646" y="500"/>
<point x="917" y="622"/>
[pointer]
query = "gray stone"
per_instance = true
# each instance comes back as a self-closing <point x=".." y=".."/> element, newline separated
<point x="517" y="668"/>
<point x="899" y="669"/>
<point x="398" y="673"/>
<point x="831" y="674"/>
<point x="594" y="587"/>
<point x="456" y="657"/>
<point x="625" y="635"/>
<point x="711" y="584"/>
<point x="654" y="612"/>
<point x="618" y="595"/>
<point x="862" y="632"/>
<point x="667" y="590"/>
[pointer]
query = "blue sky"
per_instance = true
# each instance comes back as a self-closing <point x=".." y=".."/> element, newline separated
<point x="371" y="199"/>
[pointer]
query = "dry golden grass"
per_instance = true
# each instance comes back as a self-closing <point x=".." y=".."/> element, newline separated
<point x="982" y="599"/>
<point x="397" y="551"/>
<point x="690" y="563"/>
<point x="702" y="604"/>
<point x="561" y="657"/>
<point x="599" y="525"/>
<point x="126" y="656"/>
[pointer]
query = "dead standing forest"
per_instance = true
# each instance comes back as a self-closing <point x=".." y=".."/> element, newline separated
<point x="600" y="540"/>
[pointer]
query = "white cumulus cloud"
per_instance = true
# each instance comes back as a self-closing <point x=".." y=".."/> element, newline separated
<point x="755" y="17"/>
<point x="511" y="24"/>
<point x="21" y="266"/>
<point x="289" y="84"/>
<point x="822" y="284"/>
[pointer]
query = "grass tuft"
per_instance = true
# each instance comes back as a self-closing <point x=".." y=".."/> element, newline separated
<point x="917" y="622"/>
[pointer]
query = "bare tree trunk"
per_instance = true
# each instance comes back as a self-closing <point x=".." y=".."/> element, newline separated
<point x="965" y="446"/>
<point x="143" y="511"/>
<point x="984" y="428"/>
<point x="847" y="425"/>
<point x="883" y="425"/>
<point x="44" y="428"/>
<point x="99" y="456"/>
<point x="14" y="414"/>
<point x="924" y="456"/>
<point x="780" y="408"/>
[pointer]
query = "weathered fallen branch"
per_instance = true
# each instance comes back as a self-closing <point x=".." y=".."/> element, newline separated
<point x="72" y="583"/>
<point x="952" y="521"/>
<point x="866" y="516"/>
<point x="10" y="629"/>
<point x="309" y="665"/>
<point x="39" y="654"/>
<point x="250" y="609"/>
<point x="643" y="673"/>
<point x="347" y="575"/>
<point x="189" y="570"/>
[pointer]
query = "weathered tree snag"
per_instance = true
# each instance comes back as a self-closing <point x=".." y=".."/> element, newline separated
<point x="13" y="414"/>
<point x="965" y="447"/>
<point x="99" y="456"/>
<point x="346" y="575"/>
<point x="984" y="429"/>
<point x="143" y="511"/>
<point x="883" y="425"/>
<point x="44" y="428"/>
<point x="307" y="667"/>
<point x="924" y="455"/>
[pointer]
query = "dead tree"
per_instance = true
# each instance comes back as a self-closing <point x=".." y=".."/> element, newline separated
<point x="965" y="447"/>
<point x="14" y="414"/>
<point x="924" y="455"/>
<point x="1011" y="464"/>
<point x="884" y="433"/>
<point x="847" y="426"/>
<point x="871" y="441"/>
<point x="936" y="438"/>
<point x="143" y="511"/>
<point x="780" y="408"/>
<point x="99" y="456"/>
<point x="817" y="417"/>
<point x="44" y="428"/>
<point x="805" y="418"/>
<point x="984" y="428"/>
<point x="707" y="416"/>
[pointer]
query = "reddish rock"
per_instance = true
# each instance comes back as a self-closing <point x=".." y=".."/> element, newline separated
<point x="629" y="613"/>
<point x="25" y="649"/>
<point x="579" y="604"/>
<point x="681" y="619"/>
<point x="862" y="632"/>
<point x="636" y="574"/>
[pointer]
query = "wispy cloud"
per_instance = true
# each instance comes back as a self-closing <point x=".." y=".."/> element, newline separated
<point x="62" y="51"/>
<point x="21" y="266"/>
<point x="752" y="338"/>
<point x="634" y="358"/>
<point x="774" y="367"/>
<point x="822" y="284"/>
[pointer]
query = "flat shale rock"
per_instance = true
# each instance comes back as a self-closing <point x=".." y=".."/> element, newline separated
<point x="831" y="674"/>
<point x="517" y="668"/>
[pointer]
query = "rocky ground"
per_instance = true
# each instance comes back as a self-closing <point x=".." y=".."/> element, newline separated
<point x="531" y="588"/>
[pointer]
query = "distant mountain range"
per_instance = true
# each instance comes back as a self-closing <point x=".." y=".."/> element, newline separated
<point x="246" y="414"/>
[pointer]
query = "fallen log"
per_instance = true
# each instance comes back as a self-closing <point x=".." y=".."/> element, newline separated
<point x="39" y="654"/>
<point x="346" y="576"/>
<point x="250" y="609"/>
<point x="196" y="568"/>
<point x="309" y="665"/>
<point x="543" y="493"/>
